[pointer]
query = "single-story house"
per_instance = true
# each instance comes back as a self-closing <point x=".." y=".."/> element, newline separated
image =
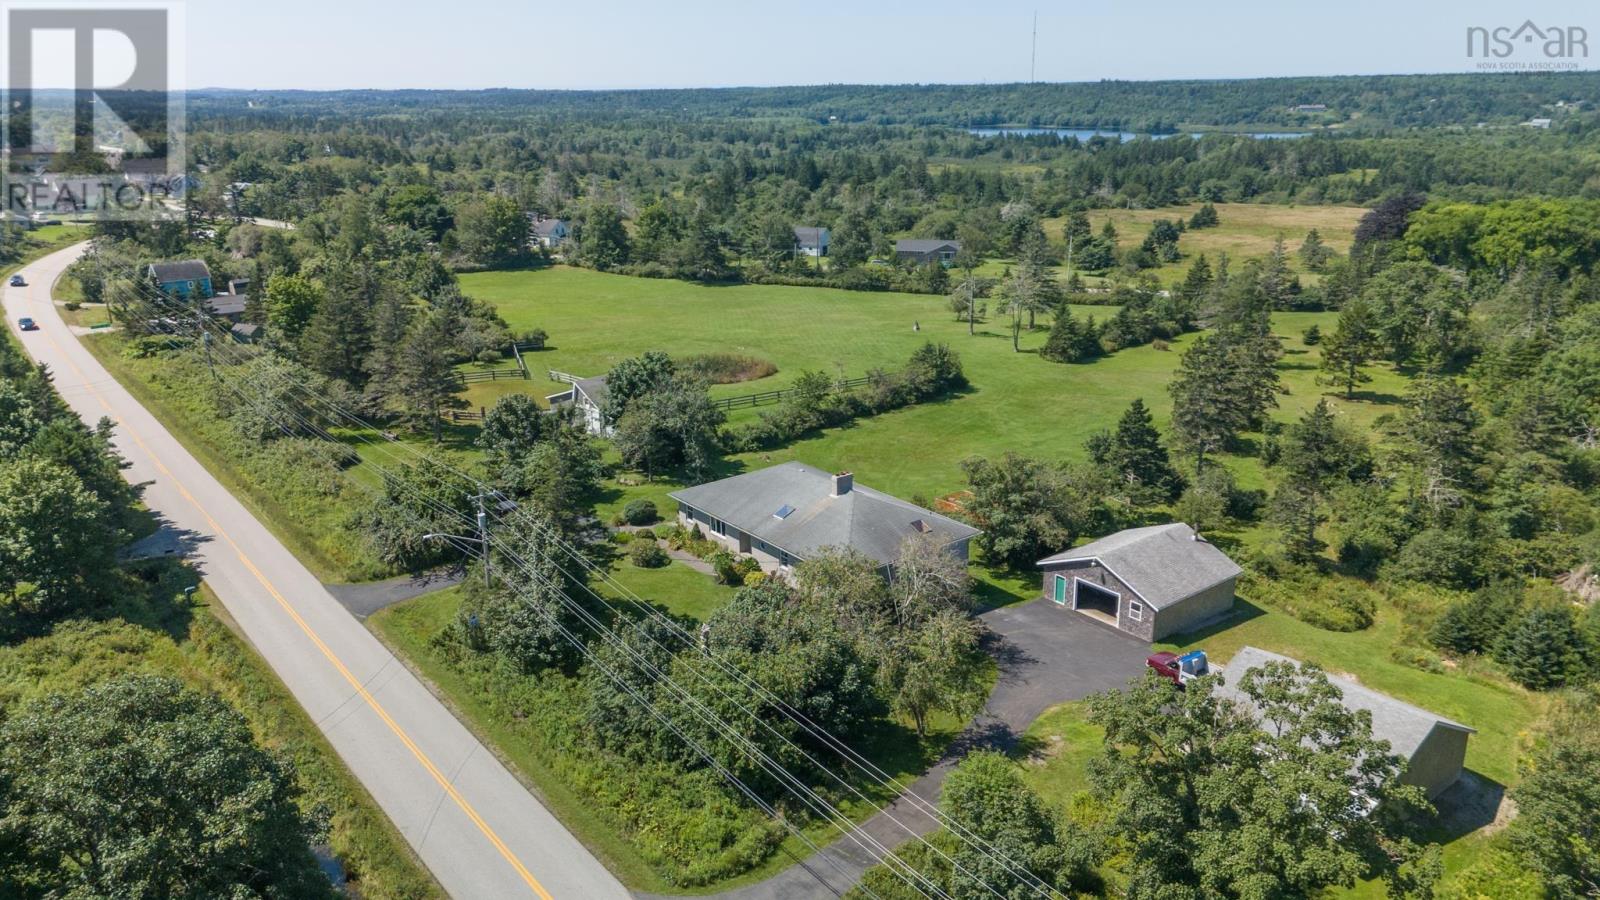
<point x="784" y="514"/>
<point x="1433" y="747"/>
<point x="921" y="251"/>
<point x="811" y="241"/>
<point x="547" y="232"/>
<point x="245" y="332"/>
<point x="184" y="279"/>
<point x="588" y="396"/>
<point x="1149" y="582"/>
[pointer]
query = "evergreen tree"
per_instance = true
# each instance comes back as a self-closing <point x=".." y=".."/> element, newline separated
<point x="1197" y="283"/>
<point x="1544" y="649"/>
<point x="1138" y="460"/>
<point x="1354" y="343"/>
<point x="1205" y="217"/>
<point x="428" y="383"/>
<point x="1314" y="254"/>
<point x="1474" y="624"/>
<point x="1071" y="340"/>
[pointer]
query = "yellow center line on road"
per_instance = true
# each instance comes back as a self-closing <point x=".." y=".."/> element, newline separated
<point x="333" y="658"/>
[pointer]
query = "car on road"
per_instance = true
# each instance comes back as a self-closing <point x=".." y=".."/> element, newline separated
<point x="27" y="324"/>
<point x="18" y="281"/>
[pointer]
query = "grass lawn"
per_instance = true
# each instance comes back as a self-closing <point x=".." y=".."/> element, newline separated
<point x="1018" y="401"/>
<point x="676" y="588"/>
<point x="552" y="764"/>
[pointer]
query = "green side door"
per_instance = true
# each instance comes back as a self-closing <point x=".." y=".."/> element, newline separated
<point x="1061" y="590"/>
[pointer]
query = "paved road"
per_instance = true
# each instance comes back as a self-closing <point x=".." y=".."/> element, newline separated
<point x="474" y="825"/>
<point x="1047" y="656"/>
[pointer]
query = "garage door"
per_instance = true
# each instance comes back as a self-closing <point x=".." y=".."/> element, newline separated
<point x="1096" y="599"/>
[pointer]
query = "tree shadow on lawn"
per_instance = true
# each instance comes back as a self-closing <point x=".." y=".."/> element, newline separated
<point x="1382" y="397"/>
<point x="990" y="596"/>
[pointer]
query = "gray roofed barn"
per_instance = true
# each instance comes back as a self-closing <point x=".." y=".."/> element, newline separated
<point x="1433" y="746"/>
<point x="786" y="513"/>
<point x="1152" y="581"/>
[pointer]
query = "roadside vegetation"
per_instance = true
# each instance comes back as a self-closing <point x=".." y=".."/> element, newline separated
<point x="116" y="676"/>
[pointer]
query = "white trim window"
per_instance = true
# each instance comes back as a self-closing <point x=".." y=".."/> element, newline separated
<point x="1136" y="610"/>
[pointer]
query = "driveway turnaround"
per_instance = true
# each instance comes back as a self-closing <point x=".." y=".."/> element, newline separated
<point x="476" y="827"/>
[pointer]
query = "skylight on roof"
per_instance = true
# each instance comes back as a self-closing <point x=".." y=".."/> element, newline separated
<point x="783" y="512"/>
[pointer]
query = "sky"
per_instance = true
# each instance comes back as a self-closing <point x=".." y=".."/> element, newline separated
<point x="330" y="44"/>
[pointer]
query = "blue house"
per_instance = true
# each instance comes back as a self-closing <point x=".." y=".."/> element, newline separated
<point x="183" y="280"/>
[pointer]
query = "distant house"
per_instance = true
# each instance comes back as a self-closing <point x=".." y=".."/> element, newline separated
<point x="786" y="513"/>
<point x="811" y="241"/>
<point x="1311" y="108"/>
<point x="921" y="251"/>
<point x="245" y="332"/>
<point x="184" y="279"/>
<point x="587" y="396"/>
<point x="1537" y="123"/>
<point x="1149" y="582"/>
<point x="547" y="232"/>
<point x="1434" y="748"/>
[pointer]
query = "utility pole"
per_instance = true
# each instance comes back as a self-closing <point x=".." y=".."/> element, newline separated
<point x="483" y="532"/>
<point x="1033" y="57"/>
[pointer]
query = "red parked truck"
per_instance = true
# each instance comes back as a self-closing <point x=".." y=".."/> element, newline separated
<point x="1179" y="669"/>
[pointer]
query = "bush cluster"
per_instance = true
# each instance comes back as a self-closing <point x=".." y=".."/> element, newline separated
<point x="816" y="401"/>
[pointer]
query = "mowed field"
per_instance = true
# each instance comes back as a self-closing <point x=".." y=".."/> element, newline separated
<point x="1246" y="231"/>
<point x="1018" y="401"/>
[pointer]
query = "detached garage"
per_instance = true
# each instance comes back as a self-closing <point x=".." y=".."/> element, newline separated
<point x="1149" y="582"/>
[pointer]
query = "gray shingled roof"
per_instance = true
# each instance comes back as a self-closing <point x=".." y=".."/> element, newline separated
<point x="1404" y="726"/>
<point x="863" y="519"/>
<point x="923" y="245"/>
<point x="1162" y="563"/>
<point x="183" y="270"/>
<point x="227" y="305"/>
<point x="808" y="236"/>
<point x="546" y="227"/>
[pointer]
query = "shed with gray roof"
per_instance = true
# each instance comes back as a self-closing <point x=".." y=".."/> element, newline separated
<point x="1150" y="582"/>
<point x="787" y="513"/>
<point x="1434" y="748"/>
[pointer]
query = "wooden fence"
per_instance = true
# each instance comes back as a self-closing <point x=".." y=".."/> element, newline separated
<point x="482" y="375"/>
<point x="457" y="416"/>
<point x="746" y="401"/>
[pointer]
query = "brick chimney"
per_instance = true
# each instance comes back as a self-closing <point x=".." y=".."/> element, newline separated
<point x="842" y="483"/>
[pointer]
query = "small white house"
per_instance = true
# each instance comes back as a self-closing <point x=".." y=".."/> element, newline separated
<point x="810" y="241"/>
<point x="588" y="396"/>
<point x="547" y="232"/>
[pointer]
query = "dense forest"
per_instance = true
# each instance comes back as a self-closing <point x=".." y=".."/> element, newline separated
<point x="1145" y="106"/>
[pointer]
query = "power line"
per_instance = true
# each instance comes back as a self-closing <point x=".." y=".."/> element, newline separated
<point x="829" y="740"/>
